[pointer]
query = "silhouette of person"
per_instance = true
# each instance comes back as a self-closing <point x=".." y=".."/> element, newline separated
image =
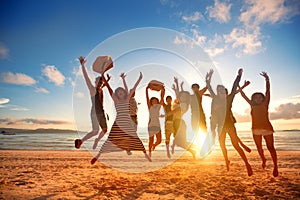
<point x="229" y="121"/>
<point x="261" y="125"/>
<point x="97" y="111"/>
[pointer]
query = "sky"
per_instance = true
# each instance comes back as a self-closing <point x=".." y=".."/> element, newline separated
<point x="40" y="81"/>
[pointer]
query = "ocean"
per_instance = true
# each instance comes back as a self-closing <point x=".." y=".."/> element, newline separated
<point x="284" y="140"/>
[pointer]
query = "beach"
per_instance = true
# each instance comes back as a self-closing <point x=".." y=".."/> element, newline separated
<point x="33" y="174"/>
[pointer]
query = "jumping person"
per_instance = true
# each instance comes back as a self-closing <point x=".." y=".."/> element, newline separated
<point x="229" y="121"/>
<point x="97" y="111"/>
<point x="261" y="125"/>
<point x="122" y="135"/>
<point x="154" y="129"/>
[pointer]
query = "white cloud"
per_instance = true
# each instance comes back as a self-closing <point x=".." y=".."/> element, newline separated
<point x="180" y="40"/>
<point x="248" y="42"/>
<point x="215" y="46"/>
<point x="54" y="75"/>
<point x="220" y="11"/>
<point x="41" y="90"/>
<point x="286" y="111"/>
<point x="4" y="101"/>
<point x="196" y="16"/>
<point x="79" y="94"/>
<point x="19" y="109"/>
<point x="18" y="79"/>
<point x="258" y="12"/>
<point x="3" y="52"/>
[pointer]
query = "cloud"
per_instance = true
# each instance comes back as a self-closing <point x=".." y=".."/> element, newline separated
<point x="196" y="16"/>
<point x="283" y="111"/>
<point x="4" y="52"/>
<point x="19" y="109"/>
<point x="54" y="75"/>
<point x="220" y="11"/>
<point x="286" y="111"/>
<point x="258" y="12"/>
<point x="4" y="101"/>
<point x="31" y="121"/>
<point x="18" y="79"/>
<point x="247" y="42"/>
<point x="79" y="94"/>
<point x="41" y="90"/>
<point x="215" y="46"/>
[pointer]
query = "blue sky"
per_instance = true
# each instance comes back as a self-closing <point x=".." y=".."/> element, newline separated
<point x="40" y="41"/>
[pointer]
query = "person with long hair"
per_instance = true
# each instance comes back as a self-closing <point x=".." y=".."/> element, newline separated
<point x="261" y="125"/>
<point x="122" y="136"/>
<point x="97" y="111"/>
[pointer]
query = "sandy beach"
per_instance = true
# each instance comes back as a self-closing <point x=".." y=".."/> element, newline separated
<point x="69" y="175"/>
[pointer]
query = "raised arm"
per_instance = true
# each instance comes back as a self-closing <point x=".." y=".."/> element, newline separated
<point x="86" y="77"/>
<point x="264" y="74"/>
<point x="201" y="92"/>
<point x="162" y="95"/>
<point x="108" y="86"/>
<point x="124" y="82"/>
<point x="135" y="86"/>
<point x="208" y="80"/>
<point x="246" y="83"/>
<point x="147" y="98"/>
<point x="236" y="82"/>
<point x="243" y="94"/>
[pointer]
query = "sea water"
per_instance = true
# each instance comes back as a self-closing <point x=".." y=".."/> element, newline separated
<point x="284" y="140"/>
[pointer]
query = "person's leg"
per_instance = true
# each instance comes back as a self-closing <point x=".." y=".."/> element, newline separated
<point x="151" y="140"/>
<point x="78" y="142"/>
<point x="258" y="143"/>
<point x="246" y="148"/>
<point x="222" y="138"/>
<point x="270" y="145"/>
<point x="158" y="140"/>
<point x="235" y="142"/>
<point x="101" y="134"/>
<point x="213" y="126"/>
<point x="168" y="137"/>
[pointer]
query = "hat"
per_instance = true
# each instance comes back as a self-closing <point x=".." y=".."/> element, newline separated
<point x="102" y="64"/>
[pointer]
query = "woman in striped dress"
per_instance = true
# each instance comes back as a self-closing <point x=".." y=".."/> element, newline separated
<point x="123" y="135"/>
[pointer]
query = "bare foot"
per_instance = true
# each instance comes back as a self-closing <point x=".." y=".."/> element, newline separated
<point x="168" y="154"/>
<point x="96" y="143"/>
<point x="247" y="149"/>
<point x="172" y="149"/>
<point x="249" y="170"/>
<point x="275" y="171"/>
<point x="128" y="152"/>
<point x="148" y="157"/>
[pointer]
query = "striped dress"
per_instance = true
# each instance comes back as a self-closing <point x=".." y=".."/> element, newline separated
<point x="123" y="135"/>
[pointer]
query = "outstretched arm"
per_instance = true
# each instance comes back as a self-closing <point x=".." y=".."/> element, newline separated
<point x="124" y="82"/>
<point x="246" y="83"/>
<point x="135" y="86"/>
<point x="208" y="80"/>
<point x="243" y="94"/>
<point x="162" y="95"/>
<point x="86" y="77"/>
<point x="108" y="86"/>
<point x="236" y="82"/>
<point x="201" y="92"/>
<point x="264" y="74"/>
<point x="147" y="98"/>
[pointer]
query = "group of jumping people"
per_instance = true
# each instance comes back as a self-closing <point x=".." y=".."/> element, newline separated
<point x="123" y="134"/>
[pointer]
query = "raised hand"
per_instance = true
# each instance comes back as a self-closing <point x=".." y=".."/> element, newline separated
<point x="81" y="60"/>
<point x="176" y="80"/>
<point x="264" y="74"/>
<point x="246" y="83"/>
<point x="141" y="76"/>
<point x="108" y="77"/>
<point x="240" y="72"/>
<point x="123" y="75"/>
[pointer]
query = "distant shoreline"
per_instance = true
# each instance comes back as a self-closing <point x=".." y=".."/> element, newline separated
<point x="39" y="130"/>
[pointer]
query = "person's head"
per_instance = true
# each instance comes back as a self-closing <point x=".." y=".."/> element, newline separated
<point x="154" y="101"/>
<point x="221" y="89"/>
<point x="121" y="93"/>
<point x="184" y="97"/>
<point x="169" y="99"/>
<point x="257" y="98"/>
<point x="195" y="87"/>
